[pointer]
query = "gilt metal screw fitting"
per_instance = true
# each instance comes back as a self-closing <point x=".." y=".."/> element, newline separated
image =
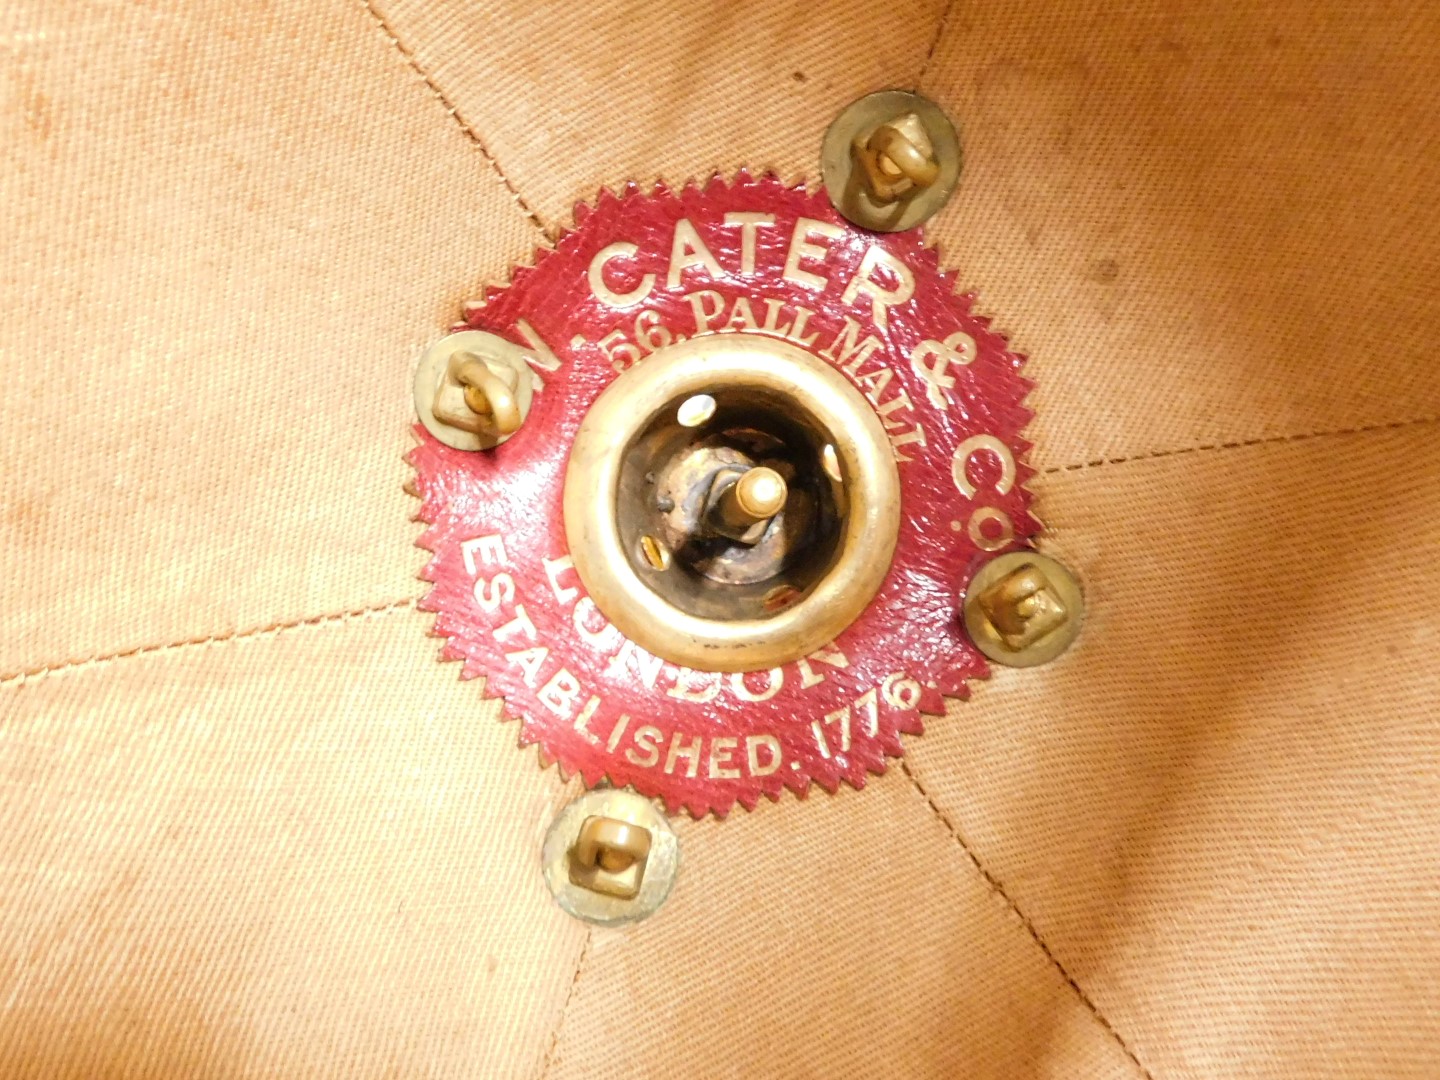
<point x="1023" y="609"/>
<point x="610" y="857"/>
<point x="890" y="160"/>
<point x="473" y="389"/>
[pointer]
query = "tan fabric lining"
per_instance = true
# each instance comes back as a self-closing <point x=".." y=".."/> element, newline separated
<point x="1269" y="440"/>
<point x="1216" y="810"/>
<point x="1029" y="926"/>
<point x="449" y="107"/>
<point x="1244" y="902"/>
<point x="554" y="1040"/>
<point x="103" y="658"/>
<point x="943" y="22"/>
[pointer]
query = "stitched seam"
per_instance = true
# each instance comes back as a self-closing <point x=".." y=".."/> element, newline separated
<point x="934" y="43"/>
<point x="565" y="1009"/>
<point x="1268" y="440"/>
<point x="1029" y="926"/>
<point x="31" y="674"/>
<point x="450" y="107"/>
<point x="274" y="629"/>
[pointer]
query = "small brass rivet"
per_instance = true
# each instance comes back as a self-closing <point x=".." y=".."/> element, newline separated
<point x="1023" y="609"/>
<point x="890" y="160"/>
<point x="694" y="411"/>
<point x="655" y="552"/>
<point x="473" y="389"/>
<point x="610" y="857"/>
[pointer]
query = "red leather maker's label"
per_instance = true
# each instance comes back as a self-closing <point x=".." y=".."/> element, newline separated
<point x="638" y="272"/>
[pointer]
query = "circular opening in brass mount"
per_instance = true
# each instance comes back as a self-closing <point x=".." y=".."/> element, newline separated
<point x="731" y="503"/>
<point x="677" y="487"/>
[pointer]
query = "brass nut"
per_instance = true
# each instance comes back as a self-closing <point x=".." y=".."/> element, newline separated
<point x="1023" y="609"/>
<point x="473" y="389"/>
<point x="890" y="160"/>
<point x="610" y="857"/>
<point x="743" y="534"/>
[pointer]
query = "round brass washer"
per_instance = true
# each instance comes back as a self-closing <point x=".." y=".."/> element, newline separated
<point x="1067" y="590"/>
<point x="661" y="865"/>
<point x="844" y="179"/>
<point x="672" y="374"/>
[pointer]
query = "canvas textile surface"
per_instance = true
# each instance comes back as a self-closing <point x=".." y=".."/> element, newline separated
<point x="251" y="826"/>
